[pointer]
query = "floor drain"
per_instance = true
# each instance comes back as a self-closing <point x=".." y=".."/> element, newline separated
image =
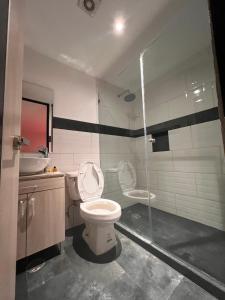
<point x="35" y="266"/>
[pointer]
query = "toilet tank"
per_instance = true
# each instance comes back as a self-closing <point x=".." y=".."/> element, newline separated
<point x="71" y="181"/>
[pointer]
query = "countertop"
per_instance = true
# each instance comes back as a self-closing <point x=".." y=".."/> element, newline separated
<point x="41" y="176"/>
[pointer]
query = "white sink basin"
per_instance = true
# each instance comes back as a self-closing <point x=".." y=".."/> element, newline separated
<point x="32" y="165"/>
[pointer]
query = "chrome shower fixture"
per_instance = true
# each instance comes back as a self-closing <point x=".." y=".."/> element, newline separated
<point x="89" y="6"/>
<point x="129" y="97"/>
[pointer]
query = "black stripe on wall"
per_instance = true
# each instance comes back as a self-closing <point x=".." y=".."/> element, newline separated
<point x="192" y="119"/>
<point x="189" y="120"/>
<point x="67" y="124"/>
<point x="74" y="125"/>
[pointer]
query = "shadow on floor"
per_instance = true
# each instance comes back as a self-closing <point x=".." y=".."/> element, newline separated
<point x="82" y="249"/>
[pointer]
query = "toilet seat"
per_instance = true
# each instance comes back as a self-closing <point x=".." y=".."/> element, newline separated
<point x="140" y="195"/>
<point x="100" y="210"/>
<point x="127" y="176"/>
<point x="128" y="180"/>
<point x="90" y="182"/>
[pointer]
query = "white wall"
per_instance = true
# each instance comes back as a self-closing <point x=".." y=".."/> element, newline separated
<point x="75" y="94"/>
<point x="113" y="110"/>
<point x="75" y="97"/>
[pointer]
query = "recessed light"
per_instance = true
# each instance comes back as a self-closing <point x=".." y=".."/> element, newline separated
<point x="119" y="25"/>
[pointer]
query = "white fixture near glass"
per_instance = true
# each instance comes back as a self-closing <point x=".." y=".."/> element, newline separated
<point x="128" y="180"/>
<point x="99" y="214"/>
<point x="31" y="164"/>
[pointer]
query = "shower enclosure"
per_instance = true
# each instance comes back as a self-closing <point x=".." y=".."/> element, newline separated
<point x="162" y="152"/>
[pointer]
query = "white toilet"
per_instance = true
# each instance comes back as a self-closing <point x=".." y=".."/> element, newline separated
<point x="128" y="180"/>
<point x="99" y="214"/>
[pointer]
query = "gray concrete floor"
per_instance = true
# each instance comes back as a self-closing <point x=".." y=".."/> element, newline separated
<point x="200" y="245"/>
<point x="135" y="274"/>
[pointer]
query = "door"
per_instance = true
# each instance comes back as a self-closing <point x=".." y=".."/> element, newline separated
<point x="45" y="216"/>
<point x="185" y="162"/>
<point x="11" y="60"/>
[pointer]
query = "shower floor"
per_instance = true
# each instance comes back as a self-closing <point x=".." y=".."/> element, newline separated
<point x="198" y="244"/>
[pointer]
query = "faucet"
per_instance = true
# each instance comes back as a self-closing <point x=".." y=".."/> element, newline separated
<point x="43" y="150"/>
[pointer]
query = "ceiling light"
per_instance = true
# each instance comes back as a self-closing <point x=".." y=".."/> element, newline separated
<point x="119" y="26"/>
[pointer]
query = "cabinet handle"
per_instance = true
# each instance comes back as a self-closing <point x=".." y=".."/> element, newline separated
<point x="32" y="202"/>
<point x="22" y="208"/>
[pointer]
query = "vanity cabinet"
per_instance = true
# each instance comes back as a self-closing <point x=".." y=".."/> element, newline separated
<point x="41" y="214"/>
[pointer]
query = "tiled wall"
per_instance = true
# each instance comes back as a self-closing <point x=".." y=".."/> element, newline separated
<point x="188" y="180"/>
<point x="114" y="111"/>
<point x="172" y="95"/>
<point x="75" y="97"/>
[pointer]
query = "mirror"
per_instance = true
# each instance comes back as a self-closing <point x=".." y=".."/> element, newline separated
<point x="36" y="117"/>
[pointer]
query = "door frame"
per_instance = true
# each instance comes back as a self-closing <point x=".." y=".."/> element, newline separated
<point x="11" y="57"/>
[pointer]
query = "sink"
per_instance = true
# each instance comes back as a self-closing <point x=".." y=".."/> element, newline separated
<point x="33" y="164"/>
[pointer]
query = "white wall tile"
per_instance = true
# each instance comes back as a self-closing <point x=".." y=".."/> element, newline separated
<point x="180" y="107"/>
<point x="165" y="201"/>
<point x="211" y="186"/>
<point x="180" y="138"/>
<point x="206" y="134"/>
<point x="204" y="99"/>
<point x="161" y="161"/>
<point x="204" y="160"/>
<point x="201" y="73"/>
<point x="157" y="114"/>
<point x="182" y="183"/>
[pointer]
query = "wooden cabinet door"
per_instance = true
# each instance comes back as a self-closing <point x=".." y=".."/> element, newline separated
<point x="21" y="227"/>
<point x="45" y="219"/>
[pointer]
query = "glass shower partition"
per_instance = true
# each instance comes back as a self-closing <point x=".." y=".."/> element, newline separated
<point x="184" y="142"/>
<point x="122" y="149"/>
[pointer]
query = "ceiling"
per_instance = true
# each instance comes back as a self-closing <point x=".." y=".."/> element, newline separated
<point x="187" y="34"/>
<point x="62" y="31"/>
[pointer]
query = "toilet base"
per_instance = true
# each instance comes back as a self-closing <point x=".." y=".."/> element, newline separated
<point x="99" y="237"/>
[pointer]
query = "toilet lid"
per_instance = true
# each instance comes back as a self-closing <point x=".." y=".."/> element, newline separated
<point x="90" y="181"/>
<point x="127" y="176"/>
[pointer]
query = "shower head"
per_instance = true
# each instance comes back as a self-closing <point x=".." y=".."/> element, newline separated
<point x="129" y="97"/>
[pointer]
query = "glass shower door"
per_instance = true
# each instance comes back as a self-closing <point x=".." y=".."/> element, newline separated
<point x="122" y="149"/>
<point x="185" y="161"/>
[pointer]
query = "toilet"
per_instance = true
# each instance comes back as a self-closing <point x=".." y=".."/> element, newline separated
<point x="98" y="214"/>
<point x="128" y="180"/>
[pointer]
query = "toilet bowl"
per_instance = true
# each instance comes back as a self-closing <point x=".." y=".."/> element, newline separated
<point x="128" y="180"/>
<point x="98" y="214"/>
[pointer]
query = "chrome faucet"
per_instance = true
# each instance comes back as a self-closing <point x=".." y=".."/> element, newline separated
<point x="43" y="150"/>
